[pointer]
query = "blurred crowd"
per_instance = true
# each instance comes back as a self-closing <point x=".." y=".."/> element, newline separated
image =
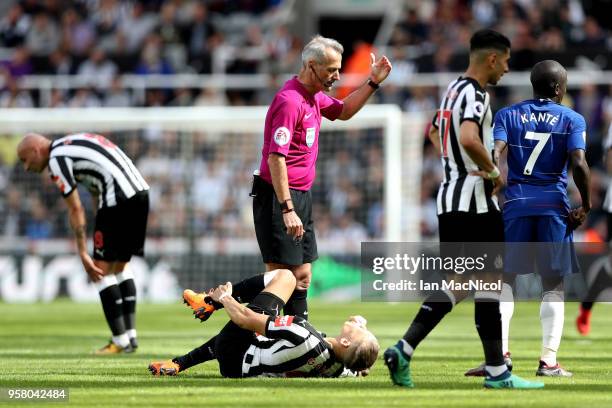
<point x="97" y="41"/>
<point x="200" y="186"/>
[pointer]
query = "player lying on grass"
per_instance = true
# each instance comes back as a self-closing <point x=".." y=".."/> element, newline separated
<point x="292" y="347"/>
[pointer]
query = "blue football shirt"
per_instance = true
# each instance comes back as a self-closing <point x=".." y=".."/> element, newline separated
<point x="540" y="134"/>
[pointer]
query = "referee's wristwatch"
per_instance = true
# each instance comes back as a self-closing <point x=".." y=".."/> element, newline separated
<point x="373" y="84"/>
<point x="285" y="207"/>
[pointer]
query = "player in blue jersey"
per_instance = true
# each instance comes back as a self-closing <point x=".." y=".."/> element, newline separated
<point x="543" y="138"/>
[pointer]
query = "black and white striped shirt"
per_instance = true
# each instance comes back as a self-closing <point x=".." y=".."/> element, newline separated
<point x="464" y="100"/>
<point x="293" y="348"/>
<point x="98" y="164"/>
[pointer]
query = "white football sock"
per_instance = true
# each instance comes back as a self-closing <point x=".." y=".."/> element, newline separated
<point x="122" y="340"/>
<point x="105" y="282"/>
<point x="407" y="348"/>
<point x="494" y="371"/>
<point x="125" y="274"/>
<point x="552" y="313"/>
<point x="131" y="333"/>
<point x="506" y="309"/>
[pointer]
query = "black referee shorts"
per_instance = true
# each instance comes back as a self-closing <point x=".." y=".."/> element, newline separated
<point x="233" y="342"/>
<point x="120" y="231"/>
<point x="275" y="244"/>
<point x="459" y="229"/>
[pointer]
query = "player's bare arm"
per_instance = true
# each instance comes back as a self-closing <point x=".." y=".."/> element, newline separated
<point x="280" y="181"/>
<point x="498" y="149"/>
<point x="355" y="101"/>
<point x="79" y="227"/>
<point x="472" y="144"/>
<point x="434" y="137"/>
<point x="582" y="175"/>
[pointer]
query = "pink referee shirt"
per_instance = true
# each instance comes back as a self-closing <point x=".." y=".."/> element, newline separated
<point x="292" y="129"/>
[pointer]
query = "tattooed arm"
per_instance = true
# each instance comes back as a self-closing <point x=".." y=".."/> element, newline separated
<point x="77" y="222"/>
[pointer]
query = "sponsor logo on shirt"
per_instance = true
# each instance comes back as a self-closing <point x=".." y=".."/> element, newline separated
<point x="310" y="136"/>
<point x="308" y="115"/>
<point x="282" y="136"/>
<point x="281" y="321"/>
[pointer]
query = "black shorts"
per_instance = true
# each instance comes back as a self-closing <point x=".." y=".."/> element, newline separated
<point x="232" y="342"/>
<point x="458" y="229"/>
<point x="120" y="231"/>
<point x="275" y="244"/>
<point x="469" y="227"/>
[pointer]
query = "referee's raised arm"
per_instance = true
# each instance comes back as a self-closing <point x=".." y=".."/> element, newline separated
<point x="282" y="200"/>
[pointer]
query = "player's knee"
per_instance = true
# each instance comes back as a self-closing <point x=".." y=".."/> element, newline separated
<point x="285" y="276"/>
<point x="551" y="296"/>
<point x="107" y="267"/>
<point x="302" y="274"/>
<point x="302" y="281"/>
<point x="302" y="284"/>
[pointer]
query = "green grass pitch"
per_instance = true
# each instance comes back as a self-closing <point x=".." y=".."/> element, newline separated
<point x="49" y="345"/>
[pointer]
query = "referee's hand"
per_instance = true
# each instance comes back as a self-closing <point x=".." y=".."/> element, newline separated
<point x="294" y="226"/>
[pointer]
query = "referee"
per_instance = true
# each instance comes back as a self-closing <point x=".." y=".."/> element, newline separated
<point x="122" y="199"/>
<point x="282" y="205"/>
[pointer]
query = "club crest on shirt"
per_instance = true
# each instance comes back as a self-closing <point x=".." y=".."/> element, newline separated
<point x="283" y="321"/>
<point x="282" y="136"/>
<point x="310" y="136"/>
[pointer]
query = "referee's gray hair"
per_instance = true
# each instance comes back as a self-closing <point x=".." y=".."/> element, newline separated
<point x="315" y="49"/>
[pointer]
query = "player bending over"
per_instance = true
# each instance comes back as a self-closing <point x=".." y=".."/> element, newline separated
<point x="292" y="347"/>
<point x="121" y="197"/>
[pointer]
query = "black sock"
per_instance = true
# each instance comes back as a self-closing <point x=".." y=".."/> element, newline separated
<point x="601" y="282"/>
<point x="128" y="294"/>
<point x="297" y="304"/>
<point x="433" y="309"/>
<point x="246" y="290"/>
<point x="205" y="352"/>
<point x="488" y="324"/>
<point x="112" y="304"/>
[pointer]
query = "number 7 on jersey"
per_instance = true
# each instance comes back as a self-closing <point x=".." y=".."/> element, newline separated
<point x="542" y="138"/>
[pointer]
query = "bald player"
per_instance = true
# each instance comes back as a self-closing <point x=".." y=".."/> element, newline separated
<point x="122" y="198"/>
<point x="543" y="139"/>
